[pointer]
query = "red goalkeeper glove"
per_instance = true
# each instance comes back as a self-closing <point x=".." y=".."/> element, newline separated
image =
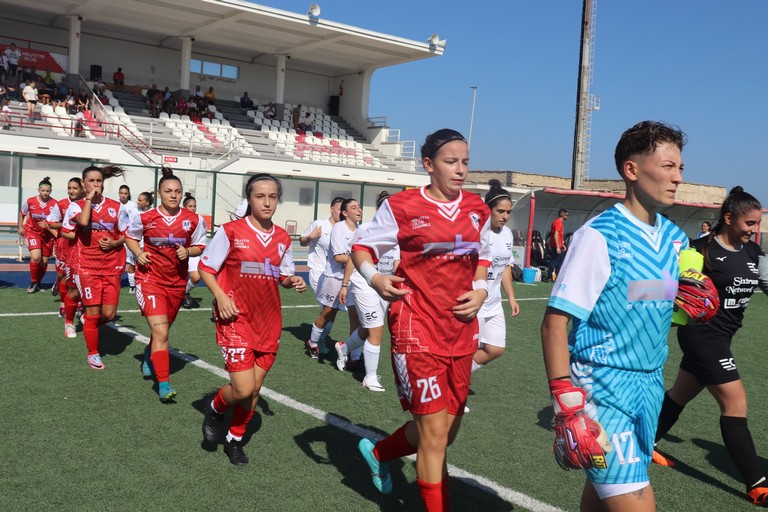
<point x="580" y="442"/>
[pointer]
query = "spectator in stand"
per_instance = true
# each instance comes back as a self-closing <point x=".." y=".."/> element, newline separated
<point x="3" y="92"/>
<point x="118" y="78"/>
<point x="308" y="122"/>
<point x="99" y="87"/>
<point x="6" y="111"/>
<point x="12" y="56"/>
<point x="43" y="93"/>
<point x="30" y="98"/>
<point x="296" y="114"/>
<point x="157" y="104"/>
<point x="80" y="122"/>
<point x="269" y="111"/>
<point x="49" y="81"/>
<point x="246" y="103"/>
<point x="182" y="107"/>
<point x="192" y="106"/>
<point x="150" y="98"/>
<point x="3" y="67"/>
<point x="33" y="74"/>
<point x="70" y="102"/>
<point x="84" y="99"/>
<point x="210" y="96"/>
<point x="61" y="89"/>
<point x="198" y="92"/>
<point x="25" y="74"/>
<point x="169" y="102"/>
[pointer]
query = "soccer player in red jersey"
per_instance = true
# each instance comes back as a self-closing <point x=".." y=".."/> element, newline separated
<point x="63" y="246"/>
<point x="172" y="235"/>
<point x="190" y="203"/>
<point x="242" y="267"/>
<point x="33" y="228"/>
<point x="100" y="254"/>
<point x="436" y="293"/>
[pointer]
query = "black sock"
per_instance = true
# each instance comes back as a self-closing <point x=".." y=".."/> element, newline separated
<point x="670" y="412"/>
<point x="738" y="442"/>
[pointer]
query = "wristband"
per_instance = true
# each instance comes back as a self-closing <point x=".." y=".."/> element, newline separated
<point x="560" y="383"/>
<point x="480" y="284"/>
<point x="344" y="285"/>
<point x="368" y="270"/>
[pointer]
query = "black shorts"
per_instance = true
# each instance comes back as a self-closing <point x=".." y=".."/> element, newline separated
<point x="707" y="355"/>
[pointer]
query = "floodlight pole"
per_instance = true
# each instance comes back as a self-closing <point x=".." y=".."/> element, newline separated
<point x="472" y="117"/>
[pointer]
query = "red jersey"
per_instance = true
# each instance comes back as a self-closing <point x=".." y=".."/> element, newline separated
<point x="249" y="264"/>
<point x="556" y="227"/>
<point x="441" y="245"/>
<point x="91" y="260"/>
<point x="63" y="246"/>
<point x="35" y="210"/>
<point x="161" y="233"/>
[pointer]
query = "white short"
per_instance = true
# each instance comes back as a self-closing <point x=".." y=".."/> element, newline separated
<point x="493" y="330"/>
<point x="327" y="293"/>
<point x="130" y="258"/>
<point x="371" y="308"/>
<point x="314" y="278"/>
<point x="611" y="490"/>
<point x="193" y="261"/>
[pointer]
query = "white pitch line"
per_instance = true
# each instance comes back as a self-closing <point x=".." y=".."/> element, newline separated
<point x="198" y="310"/>
<point x="484" y="484"/>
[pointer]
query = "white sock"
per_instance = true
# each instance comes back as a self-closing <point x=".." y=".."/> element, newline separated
<point x="314" y="338"/>
<point x="326" y="331"/>
<point x="354" y="342"/>
<point x="131" y="279"/>
<point x="371" y="359"/>
<point x="190" y="285"/>
<point x="476" y="366"/>
<point x="230" y="437"/>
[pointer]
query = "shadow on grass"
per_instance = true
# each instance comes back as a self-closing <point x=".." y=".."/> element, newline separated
<point x="201" y="405"/>
<point x="340" y="452"/>
<point x="546" y="418"/>
<point x="721" y="460"/>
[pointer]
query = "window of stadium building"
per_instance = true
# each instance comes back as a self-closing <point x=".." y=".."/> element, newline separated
<point x="204" y="67"/>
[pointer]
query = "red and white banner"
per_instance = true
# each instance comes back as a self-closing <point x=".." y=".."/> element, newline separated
<point x="40" y="60"/>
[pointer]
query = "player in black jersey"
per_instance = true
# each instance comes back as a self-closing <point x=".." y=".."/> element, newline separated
<point x="737" y="266"/>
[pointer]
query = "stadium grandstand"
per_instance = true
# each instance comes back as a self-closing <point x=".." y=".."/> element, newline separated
<point x="292" y="65"/>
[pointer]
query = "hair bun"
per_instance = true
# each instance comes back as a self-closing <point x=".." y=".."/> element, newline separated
<point x="166" y="170"/>
<point x="494" y="183"/>
<point x="187" y="194"/>
<point x="47" y="178"/>
<point x="738" y="189"/>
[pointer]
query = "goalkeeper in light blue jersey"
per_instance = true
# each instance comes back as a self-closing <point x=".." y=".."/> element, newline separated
<point x="617" y="286"/>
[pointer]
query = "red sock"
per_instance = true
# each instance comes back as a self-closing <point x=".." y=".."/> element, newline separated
<point x="63" y="288"/>
<point x="219" y="404"/>
<point x="41" y="272"/>
<point x="91" y="333"/>
<point x="240" y="419"/>
<point x="394" y="446"/>
<point x="161" y="362"/>
<point x="432" y="495"/>
<point x="70" y="307"/>
<point x="34" y="270"/>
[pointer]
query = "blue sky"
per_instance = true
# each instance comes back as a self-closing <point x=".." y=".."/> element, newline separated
<point x="698" y="64"/>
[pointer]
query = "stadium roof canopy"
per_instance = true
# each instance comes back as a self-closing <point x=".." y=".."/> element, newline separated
<point x="234" y="29"/>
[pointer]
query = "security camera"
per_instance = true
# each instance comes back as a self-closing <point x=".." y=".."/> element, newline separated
<point x="193" y="39"/>
<point x="80" y="18"/>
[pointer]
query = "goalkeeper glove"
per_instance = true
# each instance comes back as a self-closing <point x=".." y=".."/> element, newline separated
<point x="697" y="296"/>
<point x="580" y="442"/>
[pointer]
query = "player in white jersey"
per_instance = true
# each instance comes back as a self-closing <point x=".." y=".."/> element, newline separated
<point x="617" y="285"/>
<point x="329" y="284"/>
<point x="317" y="237"/>
<point x="190" y="203"/>
<point x="364" y="303"/>
<point x="129" y="209"/>
<point x="493" y="327"/>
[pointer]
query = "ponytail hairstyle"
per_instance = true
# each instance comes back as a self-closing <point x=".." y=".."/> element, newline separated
<point x="187" y="198"/>
<point x="45" y="181"/>
<point x="148" y="197"/>
<point x="262" y="176"/>
<point x="496" y="194"/>
<point x="383" y="195"/>
<point x="737" y="203"/>
<point x="344" y="205"/>
<point x="438" y="139"/>
<point x="109" y="171"/>
<point x="167" y="175"/>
